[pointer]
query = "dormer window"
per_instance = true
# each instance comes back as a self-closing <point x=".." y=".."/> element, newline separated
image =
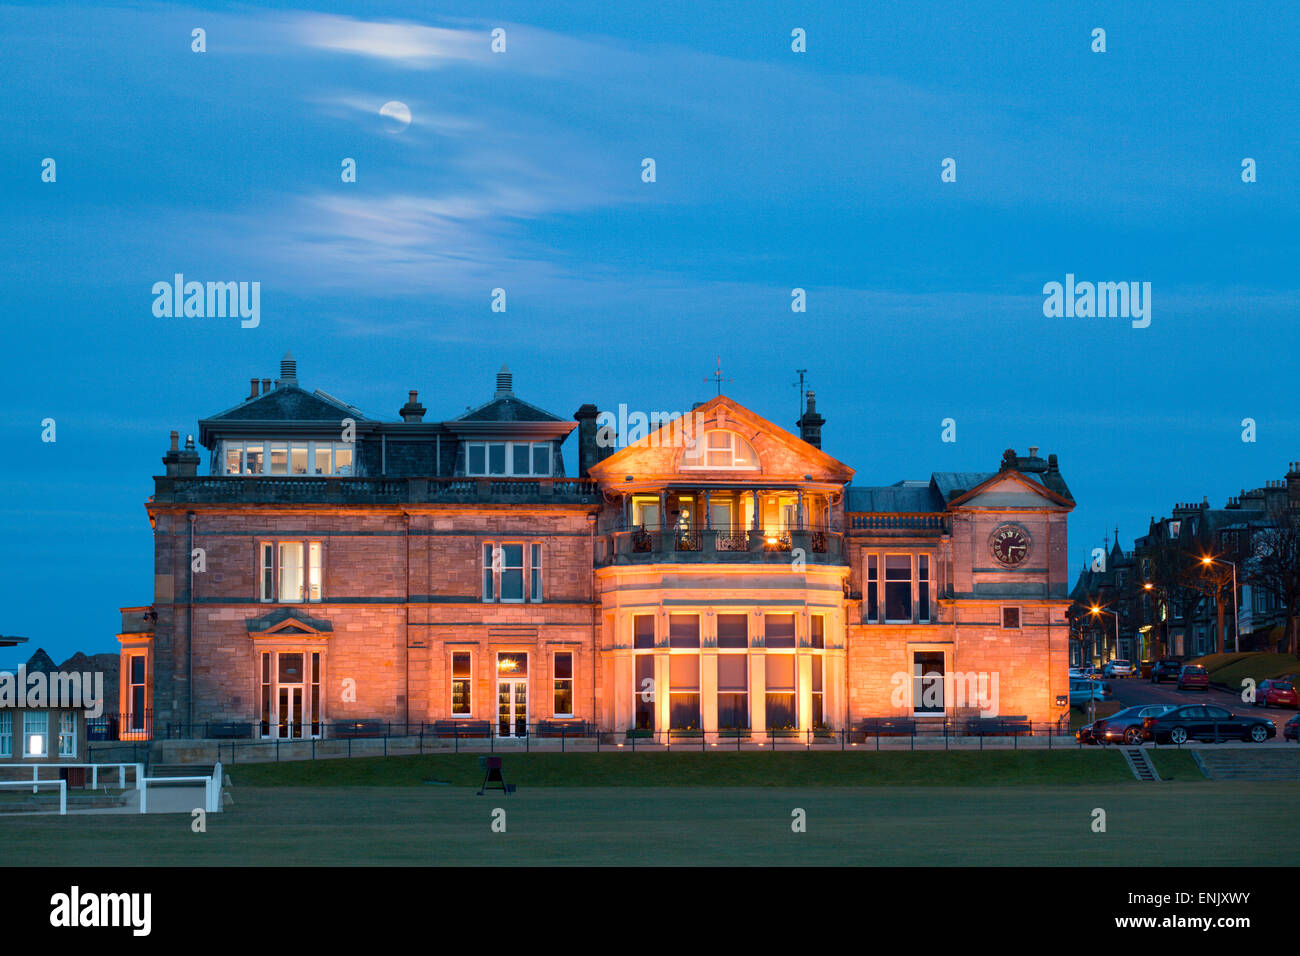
<point x="720" y="449"/>
<point x="507" y="458"/>
<point x="293" y="458"/>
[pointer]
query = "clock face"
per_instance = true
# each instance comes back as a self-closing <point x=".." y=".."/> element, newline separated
<point x="1009" y="545"/>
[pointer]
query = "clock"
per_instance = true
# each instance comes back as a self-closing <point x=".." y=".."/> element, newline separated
<point x="1009" y="545"/>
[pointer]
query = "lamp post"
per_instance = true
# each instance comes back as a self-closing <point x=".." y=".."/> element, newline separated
<point x="1236" y="611"/>
<point x="1097" y="611"/>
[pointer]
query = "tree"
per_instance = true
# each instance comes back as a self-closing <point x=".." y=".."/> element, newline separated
<point x="1274" y="566"/>
<point x="1177" y="568"/>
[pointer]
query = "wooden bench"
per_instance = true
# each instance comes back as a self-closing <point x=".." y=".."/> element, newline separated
<point x="359" y="728"/>
<point x="230" y="730"/>
<point x="562" y="728"/>
<point x="888" y="727"/>
<point x="1009" y="726"/>
<point x="462" y="728"/>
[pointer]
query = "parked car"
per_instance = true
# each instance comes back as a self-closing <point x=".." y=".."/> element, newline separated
<point x="1124" y="726"/>
<point x="1276" y="693"/>
<point x="1202" y="722"/>
<point x="1292" y="728"/>
<point x="1193" y="677"/>
<point x="1118" y="668"/>
<point x="1083" y="690"/>
<point x="1165" y="669"/>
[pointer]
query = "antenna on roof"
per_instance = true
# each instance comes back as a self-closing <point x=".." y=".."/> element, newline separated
<point x="802" y="372"/>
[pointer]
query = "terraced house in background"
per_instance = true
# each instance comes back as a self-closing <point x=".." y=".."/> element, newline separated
<point x="328" y="567"/>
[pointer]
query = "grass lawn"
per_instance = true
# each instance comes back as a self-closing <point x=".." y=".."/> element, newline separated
<point x="1260" y="665"/>
<point x="1147" y="824"/>
<point x="789" y="769"/>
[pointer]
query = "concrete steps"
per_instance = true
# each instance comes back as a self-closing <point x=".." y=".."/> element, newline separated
<point x="1261" y="763"/>
<point x="1139" y="763"/>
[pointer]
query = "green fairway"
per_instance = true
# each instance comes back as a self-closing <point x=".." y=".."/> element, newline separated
<point x="791" y="769"/>
<point x="1147" y="824"/>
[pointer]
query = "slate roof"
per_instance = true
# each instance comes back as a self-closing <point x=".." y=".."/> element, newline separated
<point x="40" y="662"/>
<point x="903" y="496"/>
<point x="508" y="408"/>
<point x="289" y="403"/>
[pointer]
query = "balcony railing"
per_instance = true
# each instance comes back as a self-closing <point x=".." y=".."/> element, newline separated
<point x="726" y="545"/>
<point x="291" y="490"/>
<point x="907" y="522"/>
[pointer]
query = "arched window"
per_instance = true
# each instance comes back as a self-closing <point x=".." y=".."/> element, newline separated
<point x="720" y="449"/>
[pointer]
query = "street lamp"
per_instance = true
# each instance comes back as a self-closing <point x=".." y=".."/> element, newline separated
<point x="1236" y="611"/>
<point x="1097" y="611"/>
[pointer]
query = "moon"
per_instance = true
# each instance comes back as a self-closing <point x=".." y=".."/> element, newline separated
<point x="396" y="116"/>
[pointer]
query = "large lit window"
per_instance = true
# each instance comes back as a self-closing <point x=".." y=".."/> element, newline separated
<point x="720" y="449"/>
<point x="782" y="706"/>
<point x="136" y="692"/>
<point x="643" y="689"/>
<point x="507" y="458"/>
<point x="290" y="571"/>
<point x="563" y="683"/>
<point x="297" y="458"/>
<point x="733" y="691"/>
<point x="36" y="733"/>
<point x="461" y="682"/>
<point x="907" y="584"/>
<point x="684" y="691"/>
<point x="684" y="630"/>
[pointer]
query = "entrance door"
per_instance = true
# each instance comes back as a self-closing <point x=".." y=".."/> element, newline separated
<point x="512" y="708"/>
<point x="290" y="712"/>
<point x="927" y="683"/>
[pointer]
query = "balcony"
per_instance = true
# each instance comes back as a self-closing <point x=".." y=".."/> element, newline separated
<point x="901" y="523"/>
<point x="223" y="489"/>
<point x="721" y="546"/>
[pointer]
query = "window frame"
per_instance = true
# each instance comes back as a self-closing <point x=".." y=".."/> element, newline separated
<point x="703" y="449"/>
<point x="509" y="451"/>
<point x="453" y="680"/>
<point x="6" y="733"/>
<point x="556" y="681"/>
<point x="492" y="578"/>
<point x="1002" y="617"/>
<point x="268" y="577"/>
<point x="29" y="732"/>
<point x="68" y="735"/>
<point x="312" y="447"/>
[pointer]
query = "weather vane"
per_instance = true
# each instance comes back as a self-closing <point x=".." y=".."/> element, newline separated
<point x="717" y="378"/>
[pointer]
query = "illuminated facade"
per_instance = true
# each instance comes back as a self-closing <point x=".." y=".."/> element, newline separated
<point x="725" y="577"/>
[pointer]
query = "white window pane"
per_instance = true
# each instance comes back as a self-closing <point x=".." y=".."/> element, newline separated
<point x="542" y="459"/>
<point x="497" y="458"/>
<point x="253" y="458"/>
<point x="519" y="459"/>
<point x="477" y="464"/>
<point x="298" y="458"/>
<point x="279" y="458"/>
<point x="234" y="453"/>
<point x="323" y="466"/>
<point x="291" y="571"/>
<point x="342" y="459"/>
<point x="314" y="571"/>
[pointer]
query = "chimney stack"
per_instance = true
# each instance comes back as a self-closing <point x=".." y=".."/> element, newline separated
<point x="181" y="463"/>
<point x="252" y="389"/>
<point x="266" y="385"/>
<point x="810" y="423"/>
<point x="589" y="450"/>
<point x="412" y="411"/>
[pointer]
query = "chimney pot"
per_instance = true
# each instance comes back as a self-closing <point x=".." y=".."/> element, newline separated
<point x="252" y="388"/>
<point x="175" y="438"/>
<point x="266" y="385"/>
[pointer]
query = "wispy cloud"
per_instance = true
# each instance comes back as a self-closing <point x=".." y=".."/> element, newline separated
<point x="408" y="44"/>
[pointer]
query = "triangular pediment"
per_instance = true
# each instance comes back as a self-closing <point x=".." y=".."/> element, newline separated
<point x="288" y="622"/>
<point x="661" y="448"/>
<point x="1010" y="489"/>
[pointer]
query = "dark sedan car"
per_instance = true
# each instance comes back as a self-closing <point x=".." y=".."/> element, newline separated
<point x="1193" y="677"/>
<point x="1292" y="728"/>
<point x="1123" y="726"/>
<point x="1165" y="669"/>
<point x="1205" y="722"/>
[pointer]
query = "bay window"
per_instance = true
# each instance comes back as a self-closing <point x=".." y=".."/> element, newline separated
<point x="297" y="458"/>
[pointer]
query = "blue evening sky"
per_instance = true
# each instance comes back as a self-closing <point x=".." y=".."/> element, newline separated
<point x="522" y="170"/>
